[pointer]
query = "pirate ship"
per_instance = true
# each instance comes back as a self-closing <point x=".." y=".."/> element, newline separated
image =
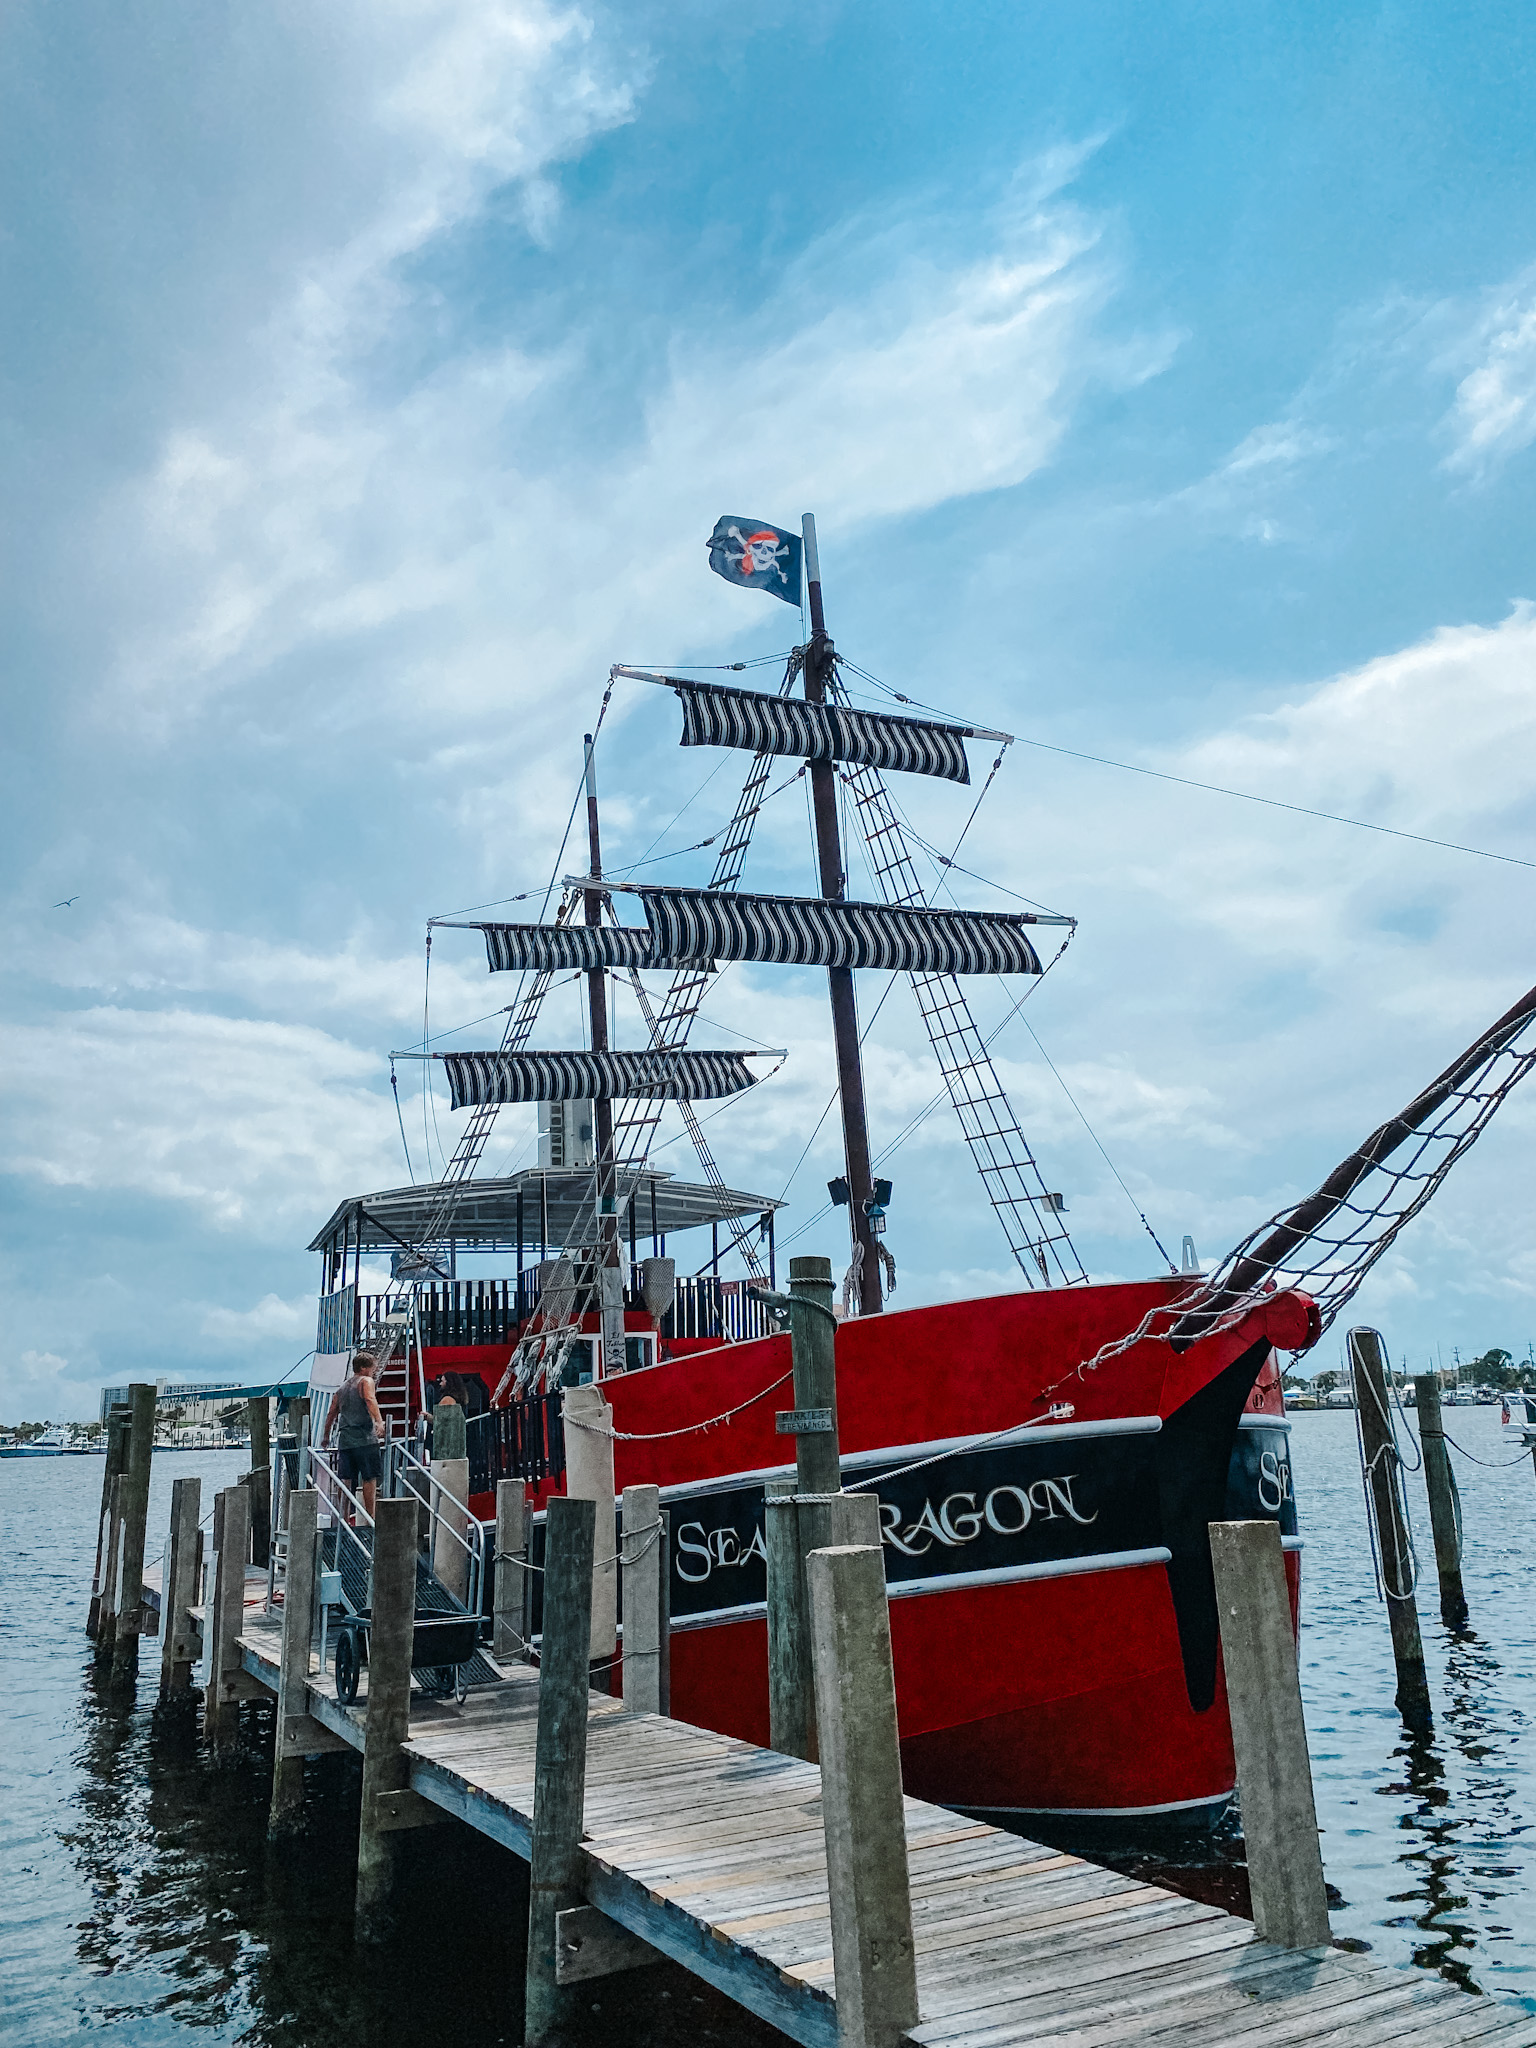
<point x="1047" y="1461"/>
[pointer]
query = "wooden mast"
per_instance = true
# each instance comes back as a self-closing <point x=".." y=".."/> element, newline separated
<point x="609" y="1290"/>
<point x="845" y="1015"/>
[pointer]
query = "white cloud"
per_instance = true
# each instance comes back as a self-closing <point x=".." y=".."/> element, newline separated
<point x="146" y="954"/>
<point x="1494" y="415"/>
<point x="253" y="1125"/>
<point x="321" y="515"/>
<point x="271" y="1320"/>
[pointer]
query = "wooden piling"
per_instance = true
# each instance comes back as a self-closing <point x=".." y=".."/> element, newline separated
<point x="385" y="1771"/>
<point x="643" y="1598"/>
<point x="813" y="1335"/>
<point x="180" y="1590"/>
<point x="794" y="1525"/>
<point x="134" y="1499"/>
<point x="1269" y="1735"/>
<point x="560" y="1767"/>
<point x="111" y="1568"/>
<point x="259" y="1415"/>
<point x="118" y="1418"/>
<point x="223" y="1693"/>
<point x="589" y="1476"/>
<point x="1391" y="1518"/>
<point x="791" y="1695"/>
<point x="295" y="1729"/>
<point x="664" y="1613"/>
<point x="508" y="1643"/>
<point x="873" y="1956"/>
<point x="1440" y="1483"/>
<point x="450" y="1558"/>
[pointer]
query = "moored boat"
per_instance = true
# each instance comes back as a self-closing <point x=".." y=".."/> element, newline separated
<point x="1046" y="1461"/>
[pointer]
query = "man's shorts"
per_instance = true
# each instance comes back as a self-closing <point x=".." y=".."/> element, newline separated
<point x="366" y="1462"/>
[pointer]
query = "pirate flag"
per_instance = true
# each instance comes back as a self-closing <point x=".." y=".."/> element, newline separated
<point x="760" y="557"/>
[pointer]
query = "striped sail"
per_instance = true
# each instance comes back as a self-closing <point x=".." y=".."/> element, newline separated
<point x="717" y="715"/>
<point x="806" y="931"/>
<point x="510" y="947"/>
<point x="476" y="1077"/>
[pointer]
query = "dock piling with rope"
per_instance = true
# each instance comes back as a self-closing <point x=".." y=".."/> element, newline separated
<point x="1444" y="1501"/>
<point x="1388" y="1511"/>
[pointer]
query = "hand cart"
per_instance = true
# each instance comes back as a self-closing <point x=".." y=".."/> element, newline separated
<point x="442" y="1648"/>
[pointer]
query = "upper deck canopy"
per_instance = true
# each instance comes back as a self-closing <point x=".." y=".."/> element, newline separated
<point x="485" y="1211"/>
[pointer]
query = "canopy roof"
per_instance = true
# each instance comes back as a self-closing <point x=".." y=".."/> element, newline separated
<point x="485" y="1211"/>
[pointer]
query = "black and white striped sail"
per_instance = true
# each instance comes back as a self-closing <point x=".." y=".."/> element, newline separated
<point x="807" y="931"/>
<point x="718" y="715"/>
<point x="476" y="1077"/>
<point x="509" y="947"/>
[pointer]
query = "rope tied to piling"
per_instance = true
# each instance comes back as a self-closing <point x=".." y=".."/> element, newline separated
<point x="1391" y="1458"/>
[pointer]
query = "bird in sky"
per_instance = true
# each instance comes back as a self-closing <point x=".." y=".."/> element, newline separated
<point x="67" y="902"/>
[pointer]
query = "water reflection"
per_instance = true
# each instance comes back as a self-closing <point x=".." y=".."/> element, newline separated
<point x="1457" y="1854"/>
<point x="207" y="1924"/>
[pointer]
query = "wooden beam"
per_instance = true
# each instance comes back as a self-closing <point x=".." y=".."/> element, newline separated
<point x="588" y="1944"/>
<point x="304" y="1736"/>
<point x="404" y="1808"/>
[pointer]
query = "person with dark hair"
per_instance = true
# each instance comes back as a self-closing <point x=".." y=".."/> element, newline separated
<point x="354" y="1413"/>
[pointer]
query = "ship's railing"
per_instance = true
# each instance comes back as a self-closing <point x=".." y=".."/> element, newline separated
<point x="454" y="1314"/>
<point x="723" y="1309"/>
<point x="406" y="1474"/>
<point x="525" y="1440"/>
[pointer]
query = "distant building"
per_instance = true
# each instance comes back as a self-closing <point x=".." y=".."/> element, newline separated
<point x="189" y="1394"/>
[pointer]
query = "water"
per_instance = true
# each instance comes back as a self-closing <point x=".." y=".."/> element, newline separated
<point x="140" y="1893"/>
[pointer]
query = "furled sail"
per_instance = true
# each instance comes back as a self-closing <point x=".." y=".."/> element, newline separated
<point x="719" y="715"/>
<point x="808" y="931"/>
<point x="475" y="1077"/>
<point x="509" y="947"/>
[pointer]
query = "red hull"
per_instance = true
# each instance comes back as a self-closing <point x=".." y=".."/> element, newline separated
<point x="1076" y="1679"/>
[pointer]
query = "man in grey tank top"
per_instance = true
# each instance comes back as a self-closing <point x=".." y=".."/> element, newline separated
<point x="354" y="1414"/>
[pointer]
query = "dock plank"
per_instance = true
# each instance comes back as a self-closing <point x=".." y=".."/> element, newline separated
<point x="712" y="1852"/>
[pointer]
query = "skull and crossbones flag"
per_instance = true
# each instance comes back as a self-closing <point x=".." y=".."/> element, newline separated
<point x="760" y="557"/>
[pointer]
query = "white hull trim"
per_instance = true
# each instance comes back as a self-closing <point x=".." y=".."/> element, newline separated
<point x="904" y="1454"/>
<point x="954" y="1582"/>
<point x="1209" y="1801"/>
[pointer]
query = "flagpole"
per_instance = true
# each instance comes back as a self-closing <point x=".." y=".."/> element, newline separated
<point x="845" y="1015"/>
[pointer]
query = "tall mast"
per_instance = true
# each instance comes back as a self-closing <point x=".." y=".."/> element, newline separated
<point x="610" y="1290"/>
<point x="845" y="1015"/>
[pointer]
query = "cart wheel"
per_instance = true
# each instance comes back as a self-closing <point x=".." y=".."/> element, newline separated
<point x="346" y="1667"/>
<point x="460" y="1686"/>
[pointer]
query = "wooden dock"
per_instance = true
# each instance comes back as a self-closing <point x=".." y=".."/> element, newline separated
<point x="711" y="1852"/>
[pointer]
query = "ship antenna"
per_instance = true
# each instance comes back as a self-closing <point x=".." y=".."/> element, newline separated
<point x="819" y="657"/>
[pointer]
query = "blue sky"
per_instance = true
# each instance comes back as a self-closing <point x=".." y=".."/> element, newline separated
<point x="1165" y="385"/>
